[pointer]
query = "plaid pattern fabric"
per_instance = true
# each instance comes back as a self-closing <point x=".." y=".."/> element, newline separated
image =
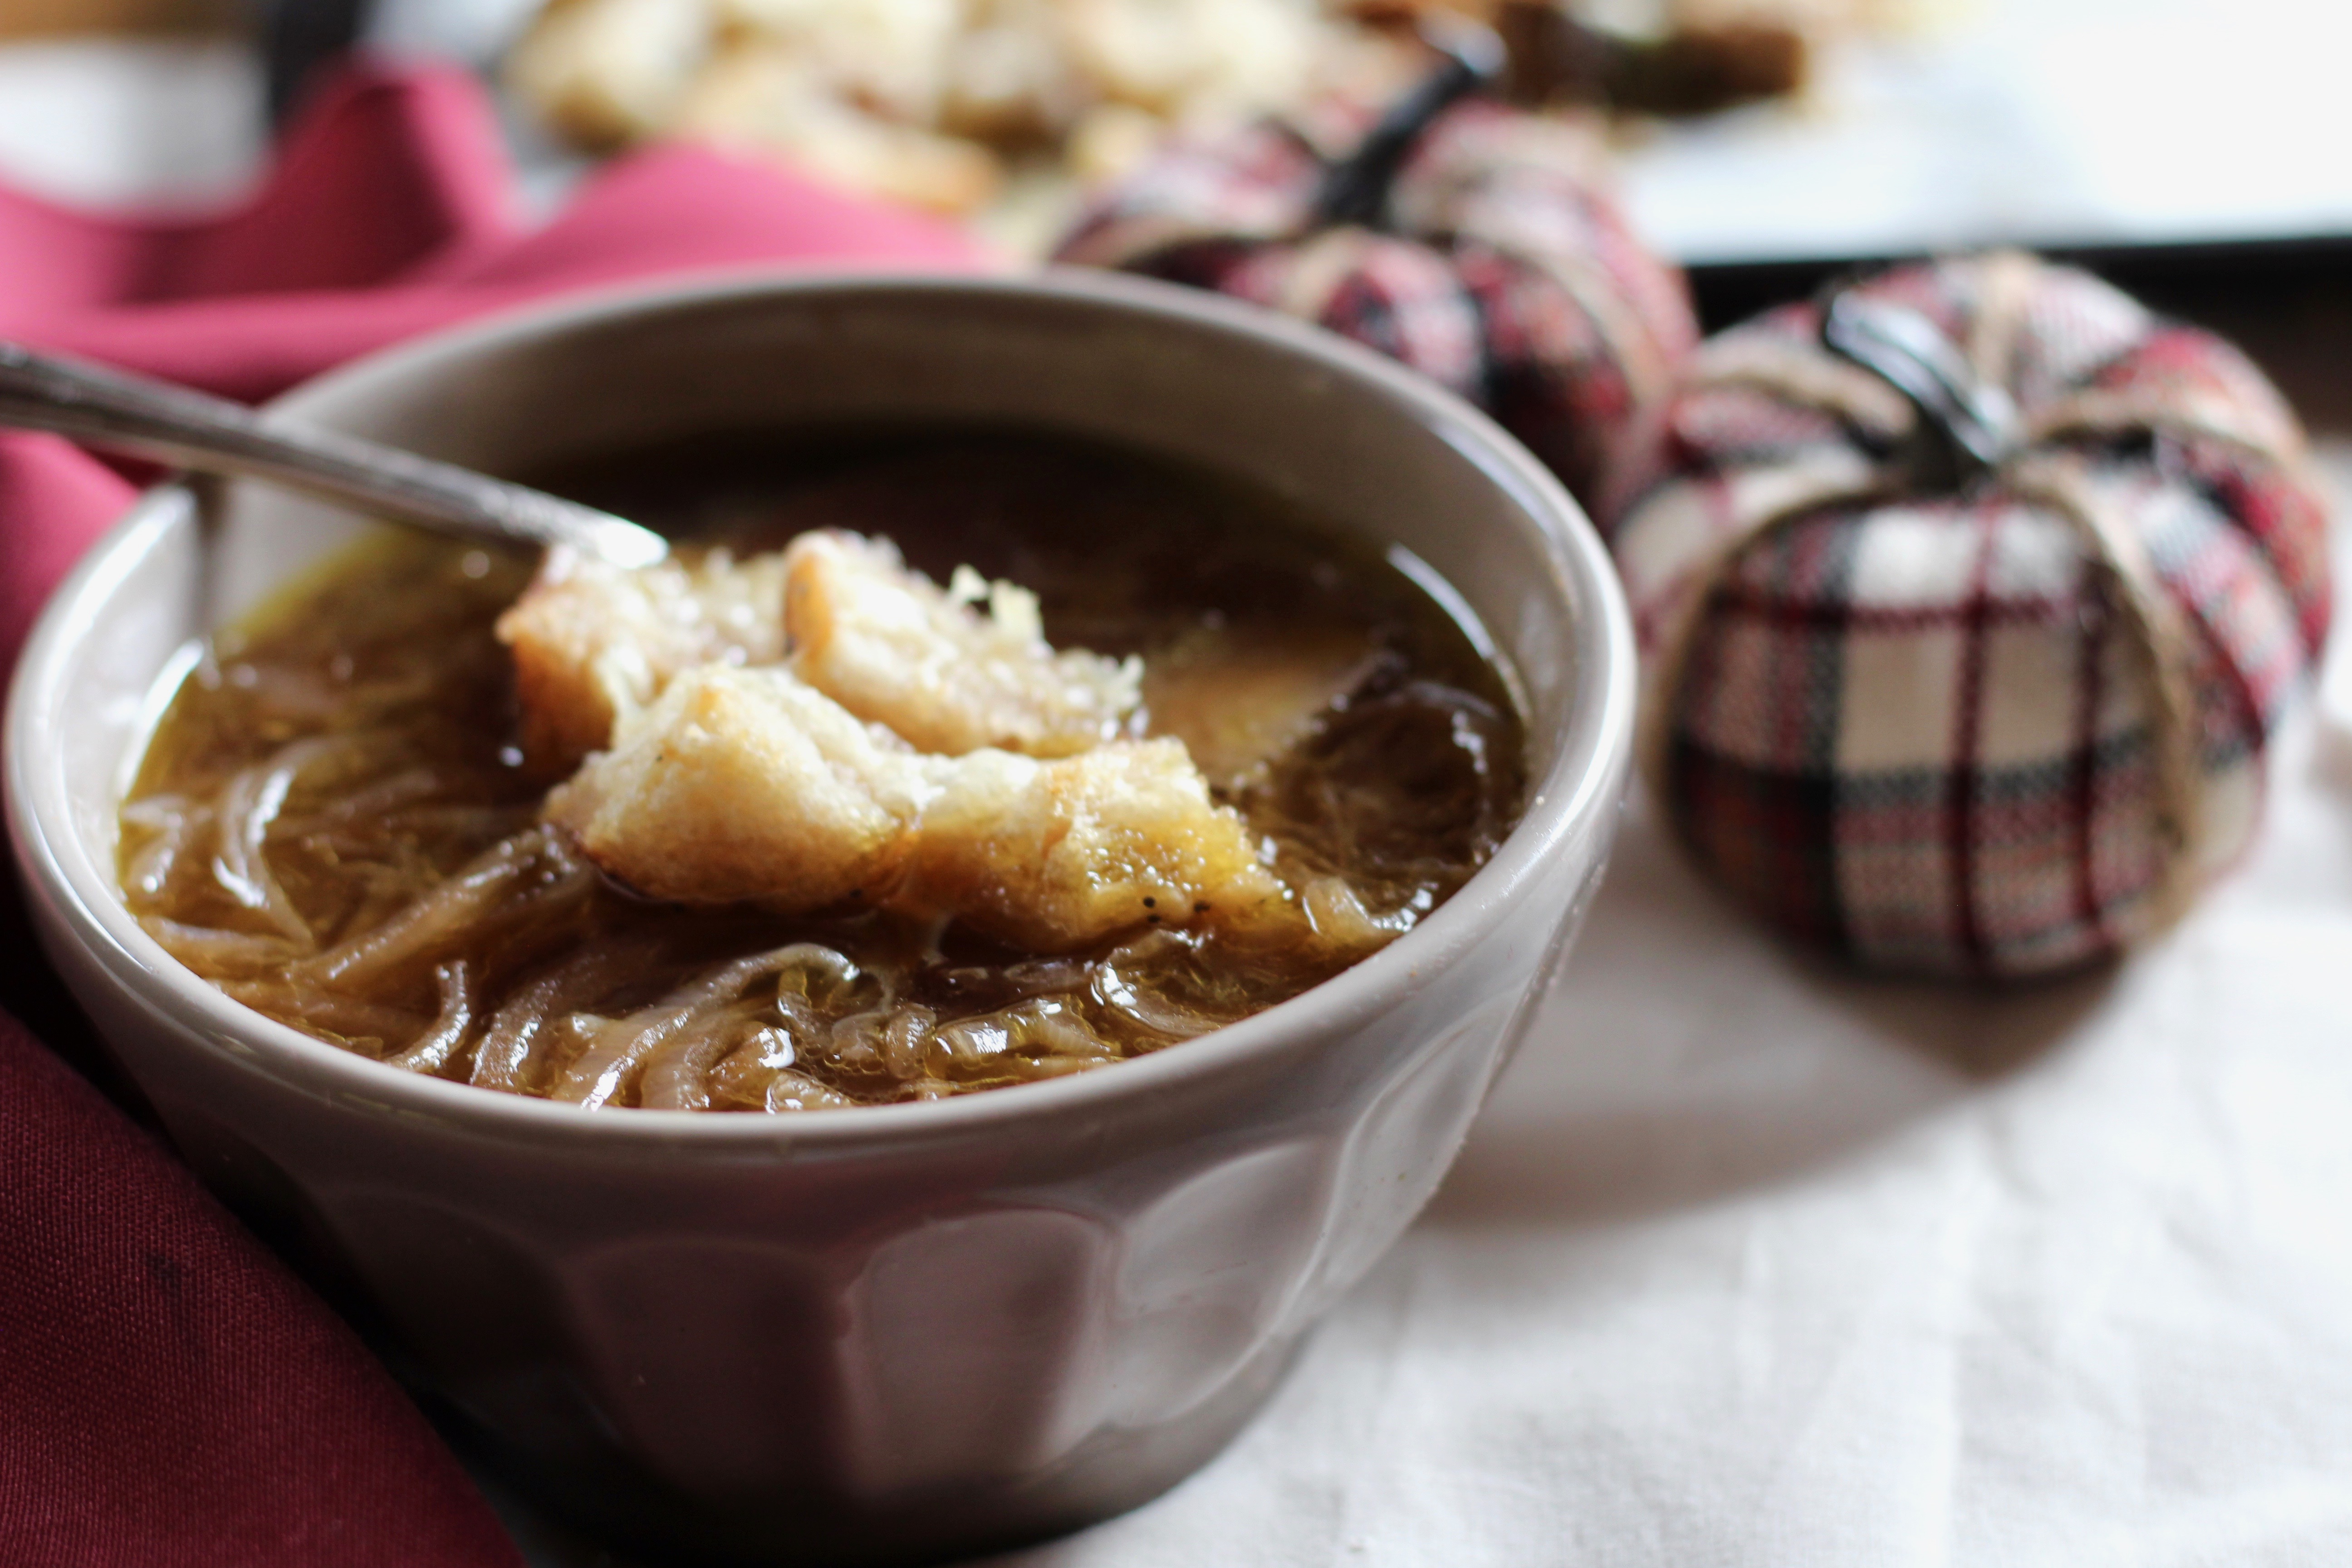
<point x="1511" y="277"/>
<point x="1911" y="727"/>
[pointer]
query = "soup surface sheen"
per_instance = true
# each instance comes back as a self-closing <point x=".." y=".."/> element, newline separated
<point x="335" y="821"/>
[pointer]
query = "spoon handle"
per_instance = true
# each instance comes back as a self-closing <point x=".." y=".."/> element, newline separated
<point x="132" y="414"/>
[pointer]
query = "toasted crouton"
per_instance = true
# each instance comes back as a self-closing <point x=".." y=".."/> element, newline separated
<point x="594" y="642"/>
<point x="607" y="73"/>
<point x="891" y="646"/>
<point x="1055" y="856"/>
<point x="745" y="785"/>
<point x="748" y="785"/>
<point x="907" y="752"/>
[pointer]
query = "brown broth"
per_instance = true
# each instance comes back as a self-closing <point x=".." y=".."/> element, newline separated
<point x="333" y="822"/>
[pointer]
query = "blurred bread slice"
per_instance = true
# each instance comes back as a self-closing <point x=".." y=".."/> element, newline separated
<point x="767" y="98"/>
<point x="1010" y="77"/>
<point x="35" y="19"/>
<point x="1186" y="57"/>
<point x="891" y="57"/>
<point x="606" y="73"/>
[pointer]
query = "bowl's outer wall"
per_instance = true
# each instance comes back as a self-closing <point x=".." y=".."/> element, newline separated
<point x="935" y="1333"/>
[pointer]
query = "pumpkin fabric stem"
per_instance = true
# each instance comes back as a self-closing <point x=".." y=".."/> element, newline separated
<point x="1355" y="190"/>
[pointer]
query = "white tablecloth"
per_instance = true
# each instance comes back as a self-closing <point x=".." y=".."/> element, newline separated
<point x="1751" y="1263"/>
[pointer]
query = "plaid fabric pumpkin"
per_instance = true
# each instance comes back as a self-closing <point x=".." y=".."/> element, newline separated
<point x="1993" y="729"/>
<point x="1505" y="269"/>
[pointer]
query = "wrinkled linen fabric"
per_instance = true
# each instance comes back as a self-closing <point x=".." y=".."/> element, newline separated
<point x="169" y="1394"/>
<point x="1750" y="1263"/>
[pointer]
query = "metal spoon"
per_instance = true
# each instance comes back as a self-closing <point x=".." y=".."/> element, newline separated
<point x="149" y="418"/>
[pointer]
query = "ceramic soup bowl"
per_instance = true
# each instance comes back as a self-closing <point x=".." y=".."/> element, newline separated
<point x="881" y="1332"/>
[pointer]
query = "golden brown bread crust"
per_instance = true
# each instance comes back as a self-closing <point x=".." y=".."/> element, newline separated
<point x="745" y="785"/>
<point x="1055" y="856"/>
<point x="593" y="642"/>
<point x="748" y="785"/>
<point x="883" y="760"/>
<point x="949" y="676"/>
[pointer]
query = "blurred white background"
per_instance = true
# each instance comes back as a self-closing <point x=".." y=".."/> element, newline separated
<point x="2056" y="122"/>
<point x="2052" y="122"/>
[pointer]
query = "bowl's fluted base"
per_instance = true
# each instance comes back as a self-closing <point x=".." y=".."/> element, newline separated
<point x="607" y="1505"/>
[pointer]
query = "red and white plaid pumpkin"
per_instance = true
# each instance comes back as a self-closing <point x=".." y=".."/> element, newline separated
<point x="1988" y="726"/>
<point x="1500" y="265"/>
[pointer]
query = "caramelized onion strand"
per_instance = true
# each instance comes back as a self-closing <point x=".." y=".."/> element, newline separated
<point x="602" y="1072"/>
<point x="515" y="1045"/>
<point x="439" y="1042"/>
<point x="523" y="875"/>
<point x="247" y="805"/>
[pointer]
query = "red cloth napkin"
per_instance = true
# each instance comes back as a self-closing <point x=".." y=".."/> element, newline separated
<point x="169" y="1394"/>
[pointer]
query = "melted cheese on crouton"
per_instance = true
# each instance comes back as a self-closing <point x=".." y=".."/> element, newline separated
<point x="889" y="645"/>
<point x="1057" y="854"/>
<point x="748" y="785"/>
<point x="822" y="727"/>
<point x="593" y="642"/>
